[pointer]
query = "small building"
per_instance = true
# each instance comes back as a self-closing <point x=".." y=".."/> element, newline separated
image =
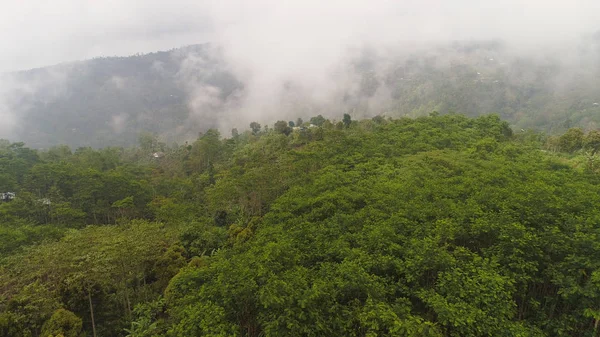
<point x="158" y="154"/>
<point x="7" y="196"/>
<point x="45" y="201"/>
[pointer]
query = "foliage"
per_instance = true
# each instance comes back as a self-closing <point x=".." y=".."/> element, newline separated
<point x="283" y="127"/>
<point x="571" y="141"/>
<point x="435" y="226"/>
<point x="62" y="323"/>
<point x="317" y="120"/>
<point x="347" y="120"/>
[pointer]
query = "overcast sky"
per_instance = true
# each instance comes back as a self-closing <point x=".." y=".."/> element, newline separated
<point x="35" y="33"/>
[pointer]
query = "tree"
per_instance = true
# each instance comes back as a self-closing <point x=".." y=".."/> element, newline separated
<point x="62" y="323"/>
<point x="299" y="122"/>
<point x="433" y="226"/>
<point x="317" y="120"/>
<point x="206" y="151"/>
<point x="291" y="124"/>
<point x="282" y="127"/>
<point x="148" y="142"/>
<point x="58" y="153"/>
<point x="102" y="272"/>
<point x="25" y="311"/>
<point x="571" y="141"/>
<point x="347" y="120"/>
<point x="124" y="206"/>
<point x="255" y="127"/>
<point x="378" y="119"/>
<point x="168" y="265"/>
<point x="147" y="322"/>
<point x="591" y="141"/>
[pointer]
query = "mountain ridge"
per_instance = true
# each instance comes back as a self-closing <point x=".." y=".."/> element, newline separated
<point x="175" y="94"/>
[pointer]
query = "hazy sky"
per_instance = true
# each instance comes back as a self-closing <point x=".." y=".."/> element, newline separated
<point x="35" y="33"/>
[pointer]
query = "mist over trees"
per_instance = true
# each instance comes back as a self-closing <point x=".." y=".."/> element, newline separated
<point x="176" y="94"/>
<point x="300" y="168"/>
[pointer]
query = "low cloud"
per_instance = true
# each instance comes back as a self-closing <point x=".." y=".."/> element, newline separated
<point x="118" y="123"/>
<point x="291" y="58"/>
<point x="20" y="92"/>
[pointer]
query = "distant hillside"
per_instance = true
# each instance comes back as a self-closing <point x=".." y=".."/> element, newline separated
<point x="179" y="93"/>
<point x="109" y="101"/>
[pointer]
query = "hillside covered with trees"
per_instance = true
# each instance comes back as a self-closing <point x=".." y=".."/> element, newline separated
<point x="443" y="225"/>
<point x="109" y="101"/>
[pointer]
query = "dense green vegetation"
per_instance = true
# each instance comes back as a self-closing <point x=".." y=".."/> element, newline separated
<point x="435" y="226"/>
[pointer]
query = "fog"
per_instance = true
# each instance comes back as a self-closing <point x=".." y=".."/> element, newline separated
<point x="272" y="46"/>
<point x="39" y="33"/>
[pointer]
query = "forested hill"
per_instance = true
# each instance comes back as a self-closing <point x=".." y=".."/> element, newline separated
<point x="110" y="101"/>
<point x="175" y="94"/>
<point x="436" y="226"/>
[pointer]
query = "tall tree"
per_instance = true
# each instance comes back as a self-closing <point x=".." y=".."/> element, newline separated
<point x="282" y="127"/>
<point x="255" y="127"/>
<point x="347" y="120"/>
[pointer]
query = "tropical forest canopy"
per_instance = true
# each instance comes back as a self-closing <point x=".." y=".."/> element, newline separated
<point x="442" y="225"/>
